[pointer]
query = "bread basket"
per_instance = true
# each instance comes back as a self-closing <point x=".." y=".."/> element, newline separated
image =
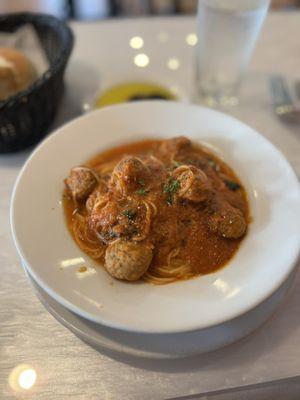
<point x="26" y="117"/>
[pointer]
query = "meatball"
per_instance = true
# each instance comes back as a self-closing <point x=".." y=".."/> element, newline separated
<point x="194" y="184"/>
<point x="227" y="222"/>
<point x="81" y="182"/>
<point x="129" y="175"/>
<point x="118" y="220"/>
<point x="127" y="260"/>
<point x="175" y="145"/>
<point x="102" y="222"/>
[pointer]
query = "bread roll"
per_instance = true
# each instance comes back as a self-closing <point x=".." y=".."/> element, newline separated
<point x="16" y="72"/>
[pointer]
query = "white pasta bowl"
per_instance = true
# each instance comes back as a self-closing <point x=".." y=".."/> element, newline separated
<point x="264" y="261"/>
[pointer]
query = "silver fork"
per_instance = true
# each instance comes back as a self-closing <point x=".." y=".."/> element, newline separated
<point x="283" y="102"/>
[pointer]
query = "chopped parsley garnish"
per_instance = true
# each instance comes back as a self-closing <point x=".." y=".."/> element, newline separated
<point x="171" y="188"/>
<point x="232" y="185"/>
<point x="213" y="164"/>
<point x="112" y="234"/>
<point x="130" y="214"/>
<point x="176" y="164"/>
<point x="141" y="182"/>
<point x="142" y="192"/>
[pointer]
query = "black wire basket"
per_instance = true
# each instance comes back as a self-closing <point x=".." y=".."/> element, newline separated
<point x="26" y="117"/>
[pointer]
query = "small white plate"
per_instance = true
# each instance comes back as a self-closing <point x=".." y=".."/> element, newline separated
<point x="263" y="262"/>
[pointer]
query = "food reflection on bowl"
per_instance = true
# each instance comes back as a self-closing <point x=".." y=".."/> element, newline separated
<point x="161" y="210"/>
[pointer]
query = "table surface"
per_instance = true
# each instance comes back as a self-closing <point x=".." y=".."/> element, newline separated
<point x="65" y="366"/>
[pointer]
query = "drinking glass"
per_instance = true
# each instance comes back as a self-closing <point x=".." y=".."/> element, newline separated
<point x="227" y="32"/>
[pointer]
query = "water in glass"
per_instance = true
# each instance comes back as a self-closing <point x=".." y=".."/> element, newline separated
<point x="227" y="33"/>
